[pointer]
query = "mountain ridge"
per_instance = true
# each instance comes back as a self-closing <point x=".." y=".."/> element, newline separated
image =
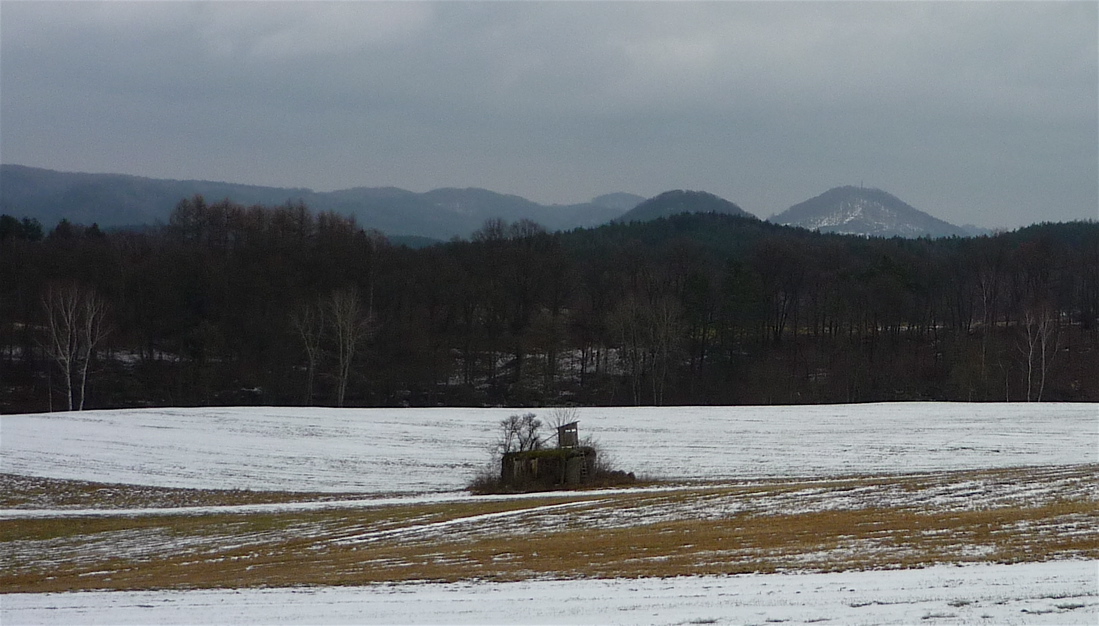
<point x="125" y="200"/>
<point x="120" y="200"/>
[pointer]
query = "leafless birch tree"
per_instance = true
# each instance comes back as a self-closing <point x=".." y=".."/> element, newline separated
<point x="1038" y="348"/>
<point x="350" y="326"/>
<point x="75" y="326"/>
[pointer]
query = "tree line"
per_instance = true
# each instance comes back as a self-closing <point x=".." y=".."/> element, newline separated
<point x="228" y="304"/>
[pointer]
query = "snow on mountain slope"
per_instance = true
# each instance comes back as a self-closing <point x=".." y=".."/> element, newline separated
<point x="433" y="450"/>
<point x="864" y="211"/>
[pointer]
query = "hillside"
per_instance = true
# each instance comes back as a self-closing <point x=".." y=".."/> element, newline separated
<point x="867" y="212"/>
<point x="113" y="200"/>
<point x="679" y="201"/>
<point x="620" y="201"/>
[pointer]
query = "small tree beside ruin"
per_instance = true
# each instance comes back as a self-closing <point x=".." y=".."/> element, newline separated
<point x="521" y="433"/>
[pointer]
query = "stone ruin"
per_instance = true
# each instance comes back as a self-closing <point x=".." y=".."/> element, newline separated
<point x="568" y="465"/>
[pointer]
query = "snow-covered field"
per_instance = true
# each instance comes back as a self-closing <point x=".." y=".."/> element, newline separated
<point x="433" y="452"/>
<point x="430" y="450"/>
<point x="1029" y="593"/>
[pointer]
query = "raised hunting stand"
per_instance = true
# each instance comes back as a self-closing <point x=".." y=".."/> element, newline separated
<point x="569" y="464"/>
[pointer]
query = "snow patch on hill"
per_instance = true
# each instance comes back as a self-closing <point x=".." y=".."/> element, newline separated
<point x="864" y="211"/>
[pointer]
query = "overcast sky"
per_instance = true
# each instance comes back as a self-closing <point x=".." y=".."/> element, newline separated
<point x="983" y="113"/>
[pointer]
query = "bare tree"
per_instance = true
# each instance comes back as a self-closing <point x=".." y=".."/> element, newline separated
<point x="350" y="326"/>
<point x="376" y="242"/>
<point x="665" y="324"/>
<point x="1038" y="347"/>
<point x="627" y="323"/>
<point x="520" y="433"/>
<point x="75" y="326"/>
<point x="648" y="336"/>
<point x="562" y="415"/>
<point x="308" y="321"/>
<point x="494" y="229"/>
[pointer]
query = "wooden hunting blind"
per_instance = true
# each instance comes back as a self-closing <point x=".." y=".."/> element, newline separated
<point x="568" y="436"/>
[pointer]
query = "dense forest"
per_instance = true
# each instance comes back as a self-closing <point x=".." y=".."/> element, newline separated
<point x="228" y="304"/>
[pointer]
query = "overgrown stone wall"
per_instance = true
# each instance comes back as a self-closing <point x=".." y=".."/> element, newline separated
<point x="547" y="469"/>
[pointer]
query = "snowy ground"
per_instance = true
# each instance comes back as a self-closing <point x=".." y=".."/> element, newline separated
<point x="1061" y="592"/>
<point x="426" y="455"/>
<point x="431" y="450"/>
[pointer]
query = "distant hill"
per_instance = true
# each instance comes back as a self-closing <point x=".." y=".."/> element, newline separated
<point x="976" y="231"/>
<point x="113" y="200"/>
<point x="679" y="201"/>
<point x="865" y="211"/>
<point x="620" y="201"/>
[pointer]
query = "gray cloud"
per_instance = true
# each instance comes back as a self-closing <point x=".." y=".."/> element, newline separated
<point x="975" y="112"/>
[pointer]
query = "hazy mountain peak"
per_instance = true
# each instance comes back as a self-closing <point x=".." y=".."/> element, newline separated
<point x="864" y="211"/>
<point x="681" y="201"/>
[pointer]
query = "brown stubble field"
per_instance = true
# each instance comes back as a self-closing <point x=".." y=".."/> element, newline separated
<point x="60" y="535"/>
